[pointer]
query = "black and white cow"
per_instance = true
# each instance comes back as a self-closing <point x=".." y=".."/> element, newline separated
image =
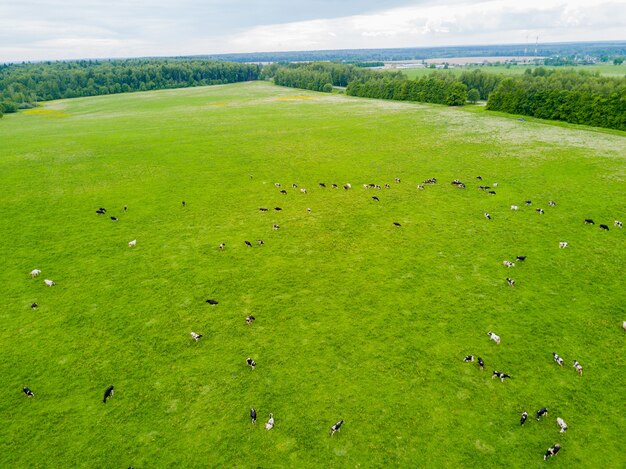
<point x="617" y="223"/>
<point x="589" y="221"/>
<point x="28" y="392"/>
<point x="337" y="426"/>
<point x="262" y="209"/>
<point x="562" y="425"/>
<point x="494" y="337"/>
<point x="248" y="243"/>
<point x="604" y="227"/>
<point x="250" y="320"/>
<point x="250" y="362"/>
<point x="524" y="417"/>
<point x="469" y="358"/>
<point x="253" y="415"/>
<point x="510" y="281"/>
<point x="108" y="392"/>
<point x="552" y="451"/>
<point x="557" y="359"/>
<point x="499" y="374"/>
<point x="487" y="216"/>
<point x="195" y="336"/>
<point x="542" y="413"/>
<point x="578" y="367"/>
<point x="396" y="223"/>
<point x="481" y="363"/>
<point x="212" y="302"/>
<point x="520" y="258"/>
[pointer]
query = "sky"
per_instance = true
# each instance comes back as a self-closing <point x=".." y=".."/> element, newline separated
<point x="73" y="29"/>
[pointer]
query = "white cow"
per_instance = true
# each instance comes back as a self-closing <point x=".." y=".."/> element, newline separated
<point x="494" y="337"/>
<point x="50" y="283"/>
<point x="514" y="207"/>
<point x="35" y="272"/>
<point x="509" y="264"/>
<point x="561" y="423"/>
<point x="132" y="244"/>
<point x="563" y="244"/>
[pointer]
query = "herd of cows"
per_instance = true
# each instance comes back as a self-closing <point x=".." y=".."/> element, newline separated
<point x="553" y="450"/>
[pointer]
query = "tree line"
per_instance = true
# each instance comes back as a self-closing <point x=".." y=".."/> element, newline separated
<point x="23" y="85"/>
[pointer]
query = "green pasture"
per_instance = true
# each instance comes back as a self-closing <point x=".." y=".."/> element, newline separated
<point x="356" y="319"/>
<point x="602" y="69"/>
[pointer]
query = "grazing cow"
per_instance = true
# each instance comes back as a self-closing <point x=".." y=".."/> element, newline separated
<point x="337" y="426"/>
<point x="322" y="184"/>
<point x="184" y="204"/>
<point x="251" y="362"/>
<point x="494" y="337"/>
<point x="561" y="423"/>
<point x="604" y="227"/>
<point x="487" y="216"/>
<point x="495" y="184"/>
<point x="303" y="190"/>
<point x="557" y="359"/>
<point x="250" y="320"/>
<point x="253" y="415"/>
<point x="481" y="363"/>
<point x="308" y="210"/>
<point x="420" y="187"/>
<point x="334" y="186"/>
<point x="563" y="244"/>
<point x="524" y="417"/>
<point x="283" y="191"/>
<point x="275" y="226"/>
<point x="375" y="198"/>
<point x="542" y="412"/>
<point x="34" y="305"/>
<point x="114" y="218"/>
<point x="195" y="336"/>
<point x="277" y="184"/>
<point x="578" y="367"/>
<point x="108" y="392"/>
<point x="100" y="211"/>
<point x="589" y="221"/>
<point x="278" y="209"/>
<point x="125" y="208"/>
<point x="396" y="223"/>
<point x="260" y="241"/>
<point x="221" y="246"/>
<point x="270" y="423"/>
<point x="50" y="283"/>
<point x="294" y="186"/>
<point x="132" y="244"/>
<point x="377" y="187"/>
<point x="552" y="451"/>
<point x="514" y="207"/>
<point x="212" y="302"/>
<point x="34" y="273"/>
<point x="510" y="282"/>
<point x="347" y="186"/>
<point x="396" y="179"/>
<point x="365" y="186"/>
<point x="499" y="374"/>
<point x="528" y="202"/>
<point x="520" y="258"/>
<point x="28" y="392"/>
<point x="539" y="211"/>
<point x="262" y="209"/>
<point x="492" y="192"/>
<point x="248" y="243"/>
<point x="617" y="223"/>
<point x="480" y="178"/>
<point x="469" y="358"/>
<point x="552" y="203"/>
<point x="624" y="325"/>
<point x="508" y="264"/>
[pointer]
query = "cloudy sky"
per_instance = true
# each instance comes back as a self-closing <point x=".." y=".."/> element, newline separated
<point x="64" y="29"/>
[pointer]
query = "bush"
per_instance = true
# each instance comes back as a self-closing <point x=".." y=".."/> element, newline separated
<point x="328" y="88"/>
<point x="473" y="95"/>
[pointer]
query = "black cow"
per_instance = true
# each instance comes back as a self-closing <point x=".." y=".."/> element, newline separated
<point x="248" y="243"/>
<point x="521" y="258"/>
<point x="334" y="186"/>
<point x="183" y="203"/>
<point x="28" y="392"/>
<point x="125" y="208"/>
<point x="262" y="209"/>
<point x="283" y="191"/>
<point x="589" y="221"/>
<point x="396" y="223"/>
<point x="114" y="218"/>
<point x="336" y="427"/>
<point x="528" y="202"/>
<point x="278" y="209"/>
<point x="492" y="192"/>
<point x="524" y="417"/>
<point x="552" y="451"/>
<point x="100" y="211"/>
<point x="322" y="184"/>
<point x="34" y="305"/>
<point x="253" y="414"/>
<point x="481" y="363"/>
<point x="375" y="198"/>
<point x="604" y="227"/>
<point x="212" y="302"/>
<point x="542" y="412"/>
<point x="108" y="392"/>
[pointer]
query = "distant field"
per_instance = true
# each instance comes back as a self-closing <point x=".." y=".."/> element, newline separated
<point x="356" y="319"/>
<point x="608" y="70"/>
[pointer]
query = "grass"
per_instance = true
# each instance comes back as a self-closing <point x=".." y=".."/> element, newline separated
<point x="602" y="69"/>
<point x="356" y="319"/>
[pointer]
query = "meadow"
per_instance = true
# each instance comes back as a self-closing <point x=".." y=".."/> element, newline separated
<point x="603" y="69"/>
<point x="356" y="319"/>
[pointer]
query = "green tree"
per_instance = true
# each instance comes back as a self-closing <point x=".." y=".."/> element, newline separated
<point x="473" y="95"/>
<point x="327" y="88"/>
<point x="618" y="60"/>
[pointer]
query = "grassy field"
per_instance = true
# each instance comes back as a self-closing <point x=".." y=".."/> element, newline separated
<point x="602" y="69"/>
<point x="356" y="319"/>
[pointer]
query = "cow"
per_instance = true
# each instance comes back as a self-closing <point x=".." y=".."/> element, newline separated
<point x="494" y="337"/>
<point x="108" y="392"/>
<point x="420" y="187"/>
<point x="277" y="184"/>
<point x="542" y="412"/>
<point x="578" y="367"/>
<point x="375" y="198"/>
<point x="589" y="221"/>
<point x="125" y="208"/>
<point x="278" y="209"/>
<point x="561" y="423"/>
<point x="334" y="186"/>
<point x="183" y="203"/>
<point x="396" y="180"/>
<point x="34" y="273"/>
<point x="510" y="282"/>
<point x="520" y="258"/>
<point x="499" y="374"/>
<point x="487" y="216"/>
<point x="528" y="202"/>
<point x="260" y="241"/>
<point x="481" y="363"/>
<point x="365" y="186"/>
<point x="624" y="325"/>
<point x="275" y="226"/>
<point x="492" y="192"/>
<point x="303" y="190"/>
<point x="262" y="209"/>
<point x="617" y="223"/>
<point x="253" y="415"/>
<point x="221" y="246"/>
<point x="469" y="358"/>
<point x="212" y="302"/>
<point x="480" y="178"/>
<point x="283" y="191"/>
<point x="251" y="363"/>
<point x="604" y="227"/>
<point x="337" y="427"/>
<point x="195" y="336"/>
<point x="294" y="186"/>
<point x="347" y="186"/>
<point x="113" y="218"/>
<point x="524" y="417"/>
<point x="250" y="320"/>
<point x="552" y="451"/>
<point x="308" y="210"/>
<point x="539" y="211"/>
<point x="552" y="203"/>
<point x="563" y="244"/>
<point x="132" y="244"/>
<point x="322" y="184"/>
<point x="557" y="359"/>
<point x="248" y="243"/>
<point x="508" y="264"/>
<point x="270" y="423"/>
<point x="100" y="211"/>
<point x="28" y="392"/>
<point x="514" y="207"/>
<point x="34" y="305"/>
<point x="495" y="184"/>
<point x="395" y="223"/>
<point x="50" y="283"/>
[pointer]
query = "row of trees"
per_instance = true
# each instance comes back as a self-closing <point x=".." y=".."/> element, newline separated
<point x="22" y="85"/>
<point x="566" y="95"/>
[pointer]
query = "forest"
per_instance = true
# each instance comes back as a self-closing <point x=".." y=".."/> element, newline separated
<point x="23" y="85"/>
